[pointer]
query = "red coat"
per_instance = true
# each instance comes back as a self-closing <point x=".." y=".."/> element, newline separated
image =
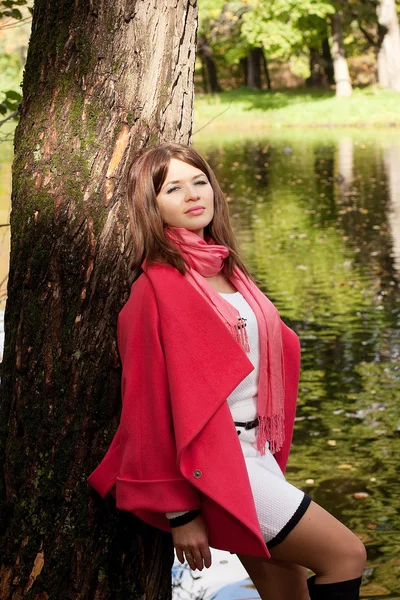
<point x="176" y="447"/>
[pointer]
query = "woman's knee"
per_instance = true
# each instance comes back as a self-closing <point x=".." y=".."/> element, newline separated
<point x="356" y="554"/>
<point x="323" y="544"/>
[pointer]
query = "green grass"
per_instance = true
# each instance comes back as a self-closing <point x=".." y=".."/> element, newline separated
<point x="245" y="108"/>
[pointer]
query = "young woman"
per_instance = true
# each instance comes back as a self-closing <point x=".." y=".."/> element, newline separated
<point x="209" y="387"/>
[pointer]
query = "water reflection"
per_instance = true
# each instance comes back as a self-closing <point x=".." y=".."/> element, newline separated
<point x="391" y="154"/>
<point x="319" y="223"/>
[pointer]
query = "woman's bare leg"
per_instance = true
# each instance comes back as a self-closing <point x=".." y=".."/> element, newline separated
<point x="324" y="545"/>
<point x="276" y="580"/>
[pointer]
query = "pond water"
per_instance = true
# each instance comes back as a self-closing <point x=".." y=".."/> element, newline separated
<point x="317" y="215"/>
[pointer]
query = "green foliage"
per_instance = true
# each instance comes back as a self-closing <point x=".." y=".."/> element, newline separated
<point x="221" y="22"/>
<point x="7" y="9"/>
<point x="285" y="27"/>
<point x="10" y="63"/>
<point x="10" y="102"/>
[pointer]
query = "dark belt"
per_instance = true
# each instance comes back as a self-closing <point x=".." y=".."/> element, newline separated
<point x="247" y="424"/>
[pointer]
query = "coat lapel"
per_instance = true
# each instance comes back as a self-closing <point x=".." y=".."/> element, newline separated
<point x="204" y="362"/>
<point x="204" y="365"/>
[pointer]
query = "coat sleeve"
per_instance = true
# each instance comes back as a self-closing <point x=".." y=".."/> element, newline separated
<point x="149" y="476"/>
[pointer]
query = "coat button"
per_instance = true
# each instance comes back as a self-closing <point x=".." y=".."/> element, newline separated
<point x="197" y="473"/>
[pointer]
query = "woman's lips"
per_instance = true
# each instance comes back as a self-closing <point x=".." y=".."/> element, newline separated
<point x="195" y="211"/>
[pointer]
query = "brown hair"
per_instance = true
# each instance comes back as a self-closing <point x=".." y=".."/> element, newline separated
<point x="146" y="176"/>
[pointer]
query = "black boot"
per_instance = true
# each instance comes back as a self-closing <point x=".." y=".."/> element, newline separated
<point x="341" y="590"/>
<point x="310" y="583"/>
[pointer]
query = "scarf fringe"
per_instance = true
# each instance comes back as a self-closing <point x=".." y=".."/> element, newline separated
<point x="270" y="428"/>
<point x="239" y="332"/>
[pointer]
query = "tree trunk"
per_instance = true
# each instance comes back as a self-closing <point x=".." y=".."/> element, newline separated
<point x="316" y="78"/>
<point x="266" y="70"/>
<point x="341" y="70"/>
<point x="389" y="51"/>
<point x="254" y="68"/>
<point x="328" y="61"/>
<point x="102" y="79"/>
<point x="210" y="70"/>
<point x="204" y="80"/>
<point x="245" y="69"/>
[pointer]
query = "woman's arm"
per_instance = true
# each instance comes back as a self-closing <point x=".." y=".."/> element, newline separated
<point x="181" y="518"/>
<point x="149" y="476"/>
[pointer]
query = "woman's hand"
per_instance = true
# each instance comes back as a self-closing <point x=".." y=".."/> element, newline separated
<point x="191" y="542"/>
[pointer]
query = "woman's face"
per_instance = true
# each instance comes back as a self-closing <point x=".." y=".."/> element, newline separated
<point x="186" y="188"/>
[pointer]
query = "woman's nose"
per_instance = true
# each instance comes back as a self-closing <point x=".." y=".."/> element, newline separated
<point x="192" y="193"/>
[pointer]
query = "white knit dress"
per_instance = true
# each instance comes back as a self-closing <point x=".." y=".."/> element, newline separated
<point x="279" y="505"/>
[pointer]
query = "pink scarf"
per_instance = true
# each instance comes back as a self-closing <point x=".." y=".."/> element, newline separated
<point x="206" y="259"/>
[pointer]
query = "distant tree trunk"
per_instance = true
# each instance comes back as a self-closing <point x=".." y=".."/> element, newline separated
<point x="328" y="61"/>
<point x="254" y="59"/>
<point x="389" y="50"/>
<point x="316" y="78"/>
<point x="341" y="70"/>
<point x="204" y="81"/>
<point x="205" y="53"/>
<point x="244" y="66"/>
<point x="266" y="71"/>
<point x="102" y="79"/>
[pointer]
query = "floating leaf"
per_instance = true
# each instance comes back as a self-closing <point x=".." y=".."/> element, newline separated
<point x="360" y="495"/>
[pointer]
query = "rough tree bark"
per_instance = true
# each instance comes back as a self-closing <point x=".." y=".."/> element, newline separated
<point x="389" y="50"/>
<point x="102" y="79"/>
<point x="341" y="70"/>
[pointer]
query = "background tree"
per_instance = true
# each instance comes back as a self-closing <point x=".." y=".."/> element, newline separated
<point x="389" y="51"/>
<point x="102" y="79"/>
<point x="238" y="36"/>
<point x="287" y="28"/>
<point x="341" y="69"/>
<point x="13" y="14"/>
<point x="208" y="19"/>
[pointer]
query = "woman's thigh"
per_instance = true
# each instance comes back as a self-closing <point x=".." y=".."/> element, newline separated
<point x="321" y="543"/>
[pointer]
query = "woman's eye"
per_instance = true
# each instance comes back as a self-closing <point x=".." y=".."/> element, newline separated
<point x="172" y="189"/>
<point x="201" y="182"/>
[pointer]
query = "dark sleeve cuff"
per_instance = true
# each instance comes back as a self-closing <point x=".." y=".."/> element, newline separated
<point x="183" y="519"/>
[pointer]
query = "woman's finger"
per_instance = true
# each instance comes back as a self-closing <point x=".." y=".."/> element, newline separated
<point x="179" y="555"/>
<point x="206" y="553"/>
<point x="190" y="560"/>
<point x="196" y="553"/>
